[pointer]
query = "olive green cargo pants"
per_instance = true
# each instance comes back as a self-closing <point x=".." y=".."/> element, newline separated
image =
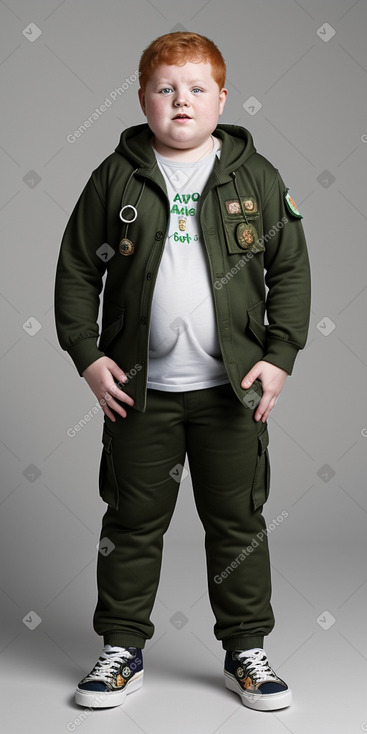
<point x="142" y="459"/>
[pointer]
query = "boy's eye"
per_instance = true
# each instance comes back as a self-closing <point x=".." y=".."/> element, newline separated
<point x="197" y="89"/>
<point x="166" y="90"/>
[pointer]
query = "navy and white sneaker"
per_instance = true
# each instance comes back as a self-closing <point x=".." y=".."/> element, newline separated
<point x="250" y="675"/>
<point x="117" y="672"/>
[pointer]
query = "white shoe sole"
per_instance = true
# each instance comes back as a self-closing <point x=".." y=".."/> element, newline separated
<point x="259" y="701"/>
<point x="101" y="699"/>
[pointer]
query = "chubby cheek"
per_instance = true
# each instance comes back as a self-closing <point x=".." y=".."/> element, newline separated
<point x="207" y="111"/>
<point x="157" y="112"/>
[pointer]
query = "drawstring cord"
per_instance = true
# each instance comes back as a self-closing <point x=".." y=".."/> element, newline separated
<point x="130" y="206"/>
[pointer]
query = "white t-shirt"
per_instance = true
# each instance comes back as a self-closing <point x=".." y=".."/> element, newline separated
<point x="184" y="351"/>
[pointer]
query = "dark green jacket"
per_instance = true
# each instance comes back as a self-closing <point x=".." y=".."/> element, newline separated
<point x="90" y="246"/>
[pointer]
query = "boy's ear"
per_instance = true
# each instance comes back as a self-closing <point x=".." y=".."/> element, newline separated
<point x="222" y="99"/>
<point x="141" y="96"/>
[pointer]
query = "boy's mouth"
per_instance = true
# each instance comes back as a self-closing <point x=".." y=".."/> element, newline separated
<point x="182" y="117"/>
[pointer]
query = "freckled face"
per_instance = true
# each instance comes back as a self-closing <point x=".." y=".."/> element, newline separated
<point x="182" y="105"/>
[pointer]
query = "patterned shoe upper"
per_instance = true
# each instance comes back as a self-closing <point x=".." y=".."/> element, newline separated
<point x="113" y="670"/>
<point x="253" y="672"/>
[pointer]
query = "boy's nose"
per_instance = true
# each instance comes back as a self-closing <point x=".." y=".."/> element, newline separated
<point x="180" y="100"/>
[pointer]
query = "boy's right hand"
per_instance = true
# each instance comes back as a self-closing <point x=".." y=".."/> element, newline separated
<point x="99" y="376"/>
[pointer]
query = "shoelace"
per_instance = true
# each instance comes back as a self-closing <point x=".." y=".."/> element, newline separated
<point x="258" y="665"/>
<point x="107" y="665"/>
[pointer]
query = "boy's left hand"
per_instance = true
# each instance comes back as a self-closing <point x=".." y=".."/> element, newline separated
<point x="272" y="379"/>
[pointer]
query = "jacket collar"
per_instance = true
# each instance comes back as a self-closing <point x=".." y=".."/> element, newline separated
<point x="237" y="147"/>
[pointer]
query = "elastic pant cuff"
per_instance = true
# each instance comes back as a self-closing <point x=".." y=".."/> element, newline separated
<point x="123" y="639"/>
<point x="242" y="643"/>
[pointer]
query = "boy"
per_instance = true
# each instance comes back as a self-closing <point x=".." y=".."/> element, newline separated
<point x="185" y="215"/>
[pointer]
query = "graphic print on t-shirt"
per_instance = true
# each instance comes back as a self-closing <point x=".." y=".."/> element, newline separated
<point x="184" y="208"/>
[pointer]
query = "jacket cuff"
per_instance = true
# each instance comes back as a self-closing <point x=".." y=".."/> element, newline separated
<point x="84" y="352"/>
<point x="281" y="354"/>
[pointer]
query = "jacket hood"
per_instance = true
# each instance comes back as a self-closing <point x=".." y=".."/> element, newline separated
<point x="237" y="146"/>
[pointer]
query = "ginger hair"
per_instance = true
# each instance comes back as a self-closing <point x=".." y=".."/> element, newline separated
<point x="177" y="49"/>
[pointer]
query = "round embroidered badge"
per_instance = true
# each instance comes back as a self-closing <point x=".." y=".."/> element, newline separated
<point x="246" y="235"/>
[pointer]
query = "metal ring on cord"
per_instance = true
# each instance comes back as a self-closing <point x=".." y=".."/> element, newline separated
<point x="128" y="206"/>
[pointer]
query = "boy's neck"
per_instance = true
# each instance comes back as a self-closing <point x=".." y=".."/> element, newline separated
<point x="185" y="154"/>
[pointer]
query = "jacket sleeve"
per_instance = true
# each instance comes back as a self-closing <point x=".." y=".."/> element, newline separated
<point x="79" y="275"/>
<point x="287" y="279"/>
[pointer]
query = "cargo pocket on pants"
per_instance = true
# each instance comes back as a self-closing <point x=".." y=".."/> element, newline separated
<point x="261" y="482"/>
<point x="108" y="486"/>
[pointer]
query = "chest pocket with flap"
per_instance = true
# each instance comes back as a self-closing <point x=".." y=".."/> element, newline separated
<point x="242" y="236"/>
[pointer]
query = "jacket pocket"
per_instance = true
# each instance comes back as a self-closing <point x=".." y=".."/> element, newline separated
<point x="110" y="332"/>
<point x="256" y="322"/>
<point x="261" y="481"/>
<point x="108" y="485"/>
<point x="243" y="232"/>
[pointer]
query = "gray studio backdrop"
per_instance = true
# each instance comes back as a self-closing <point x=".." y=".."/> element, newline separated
<point x="297" y="75"/>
